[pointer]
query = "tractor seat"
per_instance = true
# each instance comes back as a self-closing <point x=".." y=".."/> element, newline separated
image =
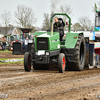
<point x="62" y="22"/>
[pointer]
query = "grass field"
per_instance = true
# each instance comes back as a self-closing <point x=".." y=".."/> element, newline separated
<point x="1" y="63"/>
<point x="3" y="59"/>
<point x="10" y="63"/>
<point x="6" y="54"/>
<point x="5" y="51"/>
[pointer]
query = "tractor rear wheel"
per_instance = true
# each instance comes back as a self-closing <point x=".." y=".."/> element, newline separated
<point x="61" y="62"/>
<point x="27" y="61"/>
<point x="79" y="55"/>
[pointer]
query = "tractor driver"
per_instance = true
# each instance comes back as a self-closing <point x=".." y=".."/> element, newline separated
<point x="58" y="28"/>
<point x="57" y="24"/>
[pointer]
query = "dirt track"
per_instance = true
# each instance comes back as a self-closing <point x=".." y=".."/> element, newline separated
<point x="9" y="55"/>
<point x="49" y="84"/>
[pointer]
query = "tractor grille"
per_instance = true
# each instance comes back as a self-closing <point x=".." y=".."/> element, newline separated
<point x="42" y="44"/>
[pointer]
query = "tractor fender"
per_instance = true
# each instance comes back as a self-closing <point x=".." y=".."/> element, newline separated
<point x="71" y="39"/>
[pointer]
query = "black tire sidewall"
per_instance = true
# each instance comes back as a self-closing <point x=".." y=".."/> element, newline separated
<point x="80" y="66"/>
<point x="26" y="56"/>
<point x="60" y="61"/>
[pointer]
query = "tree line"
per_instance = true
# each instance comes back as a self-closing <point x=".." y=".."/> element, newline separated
<point x="25" y="17"/>
<point x="83" y="24"/>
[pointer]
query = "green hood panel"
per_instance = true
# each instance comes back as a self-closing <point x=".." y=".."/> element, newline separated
<point x="53" y="41"/>
<point x="71" y="39"/>
<point x="45" y="34"/>
<point x="39" y="33"/>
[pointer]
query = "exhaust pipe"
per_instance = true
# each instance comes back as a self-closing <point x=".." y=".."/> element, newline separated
<point x="51" y="28"/>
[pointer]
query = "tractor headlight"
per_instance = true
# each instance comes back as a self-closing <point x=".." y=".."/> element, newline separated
<point x="47" y="53"/>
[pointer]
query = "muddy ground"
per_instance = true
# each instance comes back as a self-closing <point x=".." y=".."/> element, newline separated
<point x="16" y="84"/>
<point x="9" y="55"/>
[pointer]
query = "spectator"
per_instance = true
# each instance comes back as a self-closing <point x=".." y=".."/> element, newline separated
<point x="26" y="43"/>
<point x="4" y="44"/>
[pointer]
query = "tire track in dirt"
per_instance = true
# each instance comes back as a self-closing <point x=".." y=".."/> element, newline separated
<point x="45" y="84"/>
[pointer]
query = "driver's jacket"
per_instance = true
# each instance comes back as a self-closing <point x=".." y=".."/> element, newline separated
<point x="57" y="25"/>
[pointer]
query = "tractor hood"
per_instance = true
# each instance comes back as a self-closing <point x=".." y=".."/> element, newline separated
<point x="45" y="34"/>
<point x="51" y="41"/>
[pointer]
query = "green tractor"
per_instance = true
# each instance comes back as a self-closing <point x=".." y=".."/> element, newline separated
<point x="48" y="48"/>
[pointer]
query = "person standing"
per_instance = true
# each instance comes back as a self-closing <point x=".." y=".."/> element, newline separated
<point x="26" y="43"/>
<point x="4" y="44"/>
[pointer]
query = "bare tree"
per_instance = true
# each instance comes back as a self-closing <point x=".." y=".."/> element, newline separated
<point x="86" y="23"/>
<point x="25" y="16"/>
<point x="55" y="5"/>
<point x="66" y="9"/>
<point x="46" y="22"/>
<point x="77" y="27"/>
<point x="6" y="17"/>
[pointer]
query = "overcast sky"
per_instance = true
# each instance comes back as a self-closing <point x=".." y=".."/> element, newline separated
<point x="80" y="8"/>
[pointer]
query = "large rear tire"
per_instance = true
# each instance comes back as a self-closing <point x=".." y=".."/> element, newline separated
<point x="61" y="62"/>
<point x="79" y="55"/>
<point x="27" y="61"/>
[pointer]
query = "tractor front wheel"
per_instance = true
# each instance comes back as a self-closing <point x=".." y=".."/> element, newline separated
<point x="61" y="63"/>
<point x="27" y="61"/>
